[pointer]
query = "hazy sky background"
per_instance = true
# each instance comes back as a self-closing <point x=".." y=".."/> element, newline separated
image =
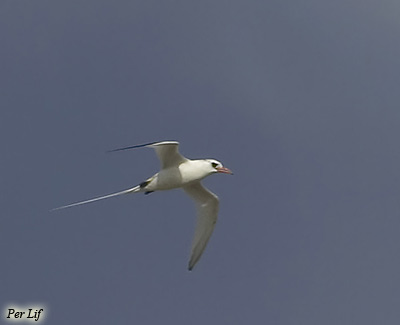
<point x="299" y="98"/>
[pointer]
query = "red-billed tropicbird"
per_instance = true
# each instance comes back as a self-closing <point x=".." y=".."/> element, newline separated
<point x="178" y="171"/>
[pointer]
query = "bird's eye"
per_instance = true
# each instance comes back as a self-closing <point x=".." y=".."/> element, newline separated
<point x="214" y="164"/>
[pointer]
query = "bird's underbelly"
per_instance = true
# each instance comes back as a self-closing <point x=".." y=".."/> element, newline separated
<point x="166" y="180"/>
<point x="171" y="178"/>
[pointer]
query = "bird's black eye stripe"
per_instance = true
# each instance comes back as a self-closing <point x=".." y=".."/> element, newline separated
<point x="214" y="164"/>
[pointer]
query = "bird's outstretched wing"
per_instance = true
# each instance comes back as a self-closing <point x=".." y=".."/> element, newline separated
<point x="167" y="152"/>
<point x="207" y="205"/>
<point x="129" y="190"/>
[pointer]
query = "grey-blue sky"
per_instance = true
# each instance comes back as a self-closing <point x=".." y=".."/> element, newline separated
<point x="299" y="99"/>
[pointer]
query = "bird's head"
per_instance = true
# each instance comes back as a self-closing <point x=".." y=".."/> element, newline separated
<point x="217" y="167"/>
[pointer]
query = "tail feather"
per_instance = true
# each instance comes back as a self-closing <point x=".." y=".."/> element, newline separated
<point x="130" y="190"/>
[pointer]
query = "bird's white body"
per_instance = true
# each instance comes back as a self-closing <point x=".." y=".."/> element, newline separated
<point x="180" y="172"/>
<point x="179" y="176"/>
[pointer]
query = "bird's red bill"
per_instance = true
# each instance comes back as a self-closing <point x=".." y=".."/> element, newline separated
<point x="224" y="170"/>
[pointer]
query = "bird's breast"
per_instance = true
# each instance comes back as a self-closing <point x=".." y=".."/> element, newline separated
<point x="175" y="177"/>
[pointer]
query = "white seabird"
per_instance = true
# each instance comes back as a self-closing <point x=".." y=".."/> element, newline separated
<point x="180" y="172"/>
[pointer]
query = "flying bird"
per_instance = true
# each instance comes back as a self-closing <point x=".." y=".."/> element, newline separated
<point x="180" y="172"/>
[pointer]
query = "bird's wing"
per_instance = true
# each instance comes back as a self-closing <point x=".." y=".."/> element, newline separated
<point x="207" y="205"/>
<point x="129" y="190"/>
<point x="167" y="152"/>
